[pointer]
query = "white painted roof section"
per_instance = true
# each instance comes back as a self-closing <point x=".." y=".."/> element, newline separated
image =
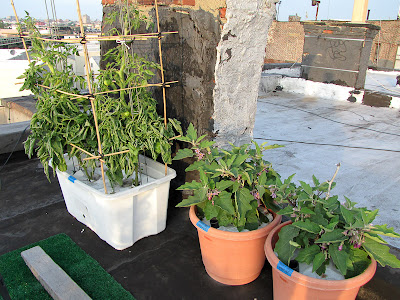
<point x="369" y="177"/>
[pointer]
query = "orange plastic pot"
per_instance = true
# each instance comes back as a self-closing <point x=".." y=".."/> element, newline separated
<point x="232" y="258"/>
<point x="289" y="284"/>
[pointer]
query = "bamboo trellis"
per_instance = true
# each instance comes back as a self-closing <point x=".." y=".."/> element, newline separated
<point x="91" y="96"/>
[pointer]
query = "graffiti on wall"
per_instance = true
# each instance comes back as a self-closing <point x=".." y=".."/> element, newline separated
<point x="337" y="50"/>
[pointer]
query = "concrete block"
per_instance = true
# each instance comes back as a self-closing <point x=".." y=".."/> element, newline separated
<point x="56" y="282"/>
<point x="13" y="135"/>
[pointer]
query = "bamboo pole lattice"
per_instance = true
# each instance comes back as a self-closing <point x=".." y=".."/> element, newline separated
<point x="20" y="32"/>
<point x="162" y="71"/>
<point x="91" y="96"/>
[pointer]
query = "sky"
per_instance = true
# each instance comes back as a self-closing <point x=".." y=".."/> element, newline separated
<point x="65" y="9"/>
<point x="328" y="9"/>
<point x="336" y="9"/>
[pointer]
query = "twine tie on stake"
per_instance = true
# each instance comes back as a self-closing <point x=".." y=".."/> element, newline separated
<point x="123" y="42"/>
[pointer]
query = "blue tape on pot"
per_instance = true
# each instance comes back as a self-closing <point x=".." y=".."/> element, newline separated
<point x="71" y="178"/>
<point x="284" y="268"/>
<point x="203" y="226"/>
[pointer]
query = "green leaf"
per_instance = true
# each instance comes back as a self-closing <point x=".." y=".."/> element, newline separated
<point x="380" y="253"/>
<point x="191" y="133"/>
<point x="358" y="262"/>
<point x="384" y="230"/>
<point x="315" y="180"/>
<point x="224" y="184"/>
<point x="206" y="144"/>
<point x="235" y="186"/>
<point x="194" y="185"/>
<point x="183" y="153"/>
<point x="195" y="165"/>
<point x="224" y="218"/>
<point x="200" y="138"/>
<point x="252" y="220"/>
<point x="243" y="201"/>
<point x="198" y="197"/>
<point x="307" y="211"/>
<point x="319" y="216"/>
<point x="307" y="188"/>
<point x="307" y="225"/>
<point x="263" y="178"/>
<point x="289" y="179"/>
<point x="210" y="210"/>
<point x="203" y="177"/>
<point x="331" y="203"/>
<point x="183" y="139"/>
<point x="307" y="254"/>
<point x="294" y="244"/>
<point x="349" y="203"/>
<point x="339" y="258"/>
<point x="347" y="215"/>
<point x="283" y="248"/>
<point x="261" y="190"/>
<point x="241" y="158"/>
<point x="331" y="226"/>
<point x="375" y="237"/>
<point x="319" y="259"/>
<point x="369" y="216"/>
<point x="224" y="201"/>
<point x="333" y="236"/>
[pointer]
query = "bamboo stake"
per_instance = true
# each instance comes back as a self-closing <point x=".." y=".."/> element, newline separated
<point x="84" y="151"/>
<point x="131" y="37"/>
<point x="76" y="96"/>
<point x="136" y="87"/>
<point x="162" y="72"/>
<point x="175" y="137"/>
<point x="87" y="68"/>
<point x="105" y="155"/>
<point x="62" y="92"/>
<point x="19" y="31"/>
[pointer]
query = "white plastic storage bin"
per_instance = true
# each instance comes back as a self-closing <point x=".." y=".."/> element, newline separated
<point x="122" y="218"/>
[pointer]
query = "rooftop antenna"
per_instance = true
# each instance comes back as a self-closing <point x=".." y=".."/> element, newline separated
<point x="316" y="3"/>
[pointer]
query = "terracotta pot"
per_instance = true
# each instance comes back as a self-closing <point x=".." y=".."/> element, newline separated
<point x="232" y="258"/>
<point x="289" y="284"/>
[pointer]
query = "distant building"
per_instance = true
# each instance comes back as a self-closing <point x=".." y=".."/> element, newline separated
<point x="86" y="19"/>
<point x="10" y="18"/>
<point x="294" y="18"/>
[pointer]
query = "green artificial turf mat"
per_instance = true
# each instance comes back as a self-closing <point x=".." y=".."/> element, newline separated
<point x="83" y="269"/>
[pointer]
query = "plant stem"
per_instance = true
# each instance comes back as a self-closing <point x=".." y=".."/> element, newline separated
<point x="331" y="181"/>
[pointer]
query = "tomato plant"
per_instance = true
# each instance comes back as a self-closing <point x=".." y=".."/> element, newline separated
<point x="127" y="117"/>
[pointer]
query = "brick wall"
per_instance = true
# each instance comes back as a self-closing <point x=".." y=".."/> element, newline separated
<point x="285" y="42"/>
<point x="385" y="44"/>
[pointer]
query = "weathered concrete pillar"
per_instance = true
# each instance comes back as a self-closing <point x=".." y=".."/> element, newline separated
<point x="240" y="56"/>
<point x="217" y="57"/>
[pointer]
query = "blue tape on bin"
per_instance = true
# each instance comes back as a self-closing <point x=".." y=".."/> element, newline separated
<point x="203" y="226"/>
<point x="71" y="178"/>
<point x="284" y="268"/>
